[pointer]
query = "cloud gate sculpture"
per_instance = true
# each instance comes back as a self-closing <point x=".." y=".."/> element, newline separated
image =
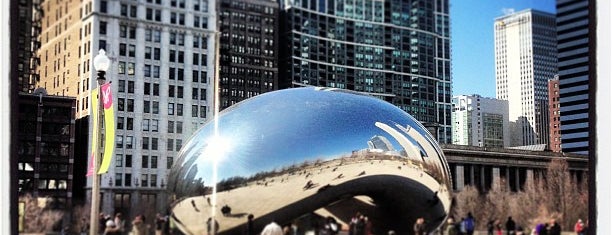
<point x="310" y="153"/>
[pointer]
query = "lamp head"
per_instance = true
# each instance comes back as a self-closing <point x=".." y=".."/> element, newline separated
<point x="101" y="61"/>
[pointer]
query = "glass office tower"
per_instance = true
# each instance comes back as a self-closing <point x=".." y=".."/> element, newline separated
<point x="396" y="50"/>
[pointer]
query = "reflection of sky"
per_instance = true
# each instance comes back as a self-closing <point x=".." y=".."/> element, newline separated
<point x="286" y="127"/>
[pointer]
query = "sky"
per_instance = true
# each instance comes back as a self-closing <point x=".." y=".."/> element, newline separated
<point x="472" y="44"/>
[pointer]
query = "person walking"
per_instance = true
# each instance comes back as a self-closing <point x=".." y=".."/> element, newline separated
<point x="470" y="224"/>
<point x="138" y="226"/>
<point x="419" y="227"/>
<point x="579" y="227"/>
<point x="450" y="227"/>
<point x="554" y="228"/>
<point x="510" y="226"/>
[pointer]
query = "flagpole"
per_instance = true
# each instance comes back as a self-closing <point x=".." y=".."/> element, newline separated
<point x="101" y="64"/>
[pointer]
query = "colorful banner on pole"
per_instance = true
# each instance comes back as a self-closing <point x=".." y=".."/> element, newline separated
<point x="109" y="127"/>
<point x="94" y="138"/>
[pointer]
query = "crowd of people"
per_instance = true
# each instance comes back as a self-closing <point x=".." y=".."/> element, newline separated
<point x="117" y="225"/>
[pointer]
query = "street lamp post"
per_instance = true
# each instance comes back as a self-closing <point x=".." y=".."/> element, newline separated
<point x="101" y="64"/>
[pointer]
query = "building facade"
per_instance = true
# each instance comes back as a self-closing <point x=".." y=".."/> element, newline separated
<point x="162" y="63"/>
<point x="480" y="121"/>
<point x="554" y="122"/>
<point x="576" y="36"/>
<point x="248" y="49"/>
<point x="396" y="50"/>
<point x="45" y="152"/>
<point x="525" y="59"/>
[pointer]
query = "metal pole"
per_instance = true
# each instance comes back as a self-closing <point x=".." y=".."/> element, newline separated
<point x="95" y="185"/>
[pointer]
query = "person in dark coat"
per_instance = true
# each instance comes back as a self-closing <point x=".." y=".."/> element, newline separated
<point x="510" y="226"/>
<point x="554" y="228"/>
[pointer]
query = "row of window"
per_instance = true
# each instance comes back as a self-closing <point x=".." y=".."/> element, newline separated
<point x="127" y="142"/>
<point x="125" y="180"/>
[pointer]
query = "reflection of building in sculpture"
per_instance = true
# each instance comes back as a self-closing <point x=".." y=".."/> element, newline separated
<point x="380" y="143"/>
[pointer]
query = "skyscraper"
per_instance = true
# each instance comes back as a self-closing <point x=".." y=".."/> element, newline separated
<point x="554" y="121"/>
<point x="396" y="50"/>
<point x="576" y="40"/>
<point x="161" y="71"/>
<point x="480" y="121"/>
<point x="525" y="59"/>
<point x="249" y="49"/>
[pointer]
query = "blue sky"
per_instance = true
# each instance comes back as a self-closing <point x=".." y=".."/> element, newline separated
<point x="473" y="62"/>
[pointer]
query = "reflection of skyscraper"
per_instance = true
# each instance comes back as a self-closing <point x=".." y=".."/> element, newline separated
<point x="480" y="121"/>
<point x="381" y="143"/>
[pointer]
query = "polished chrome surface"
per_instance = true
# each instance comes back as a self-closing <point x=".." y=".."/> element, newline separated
<point x="284" y="154"/>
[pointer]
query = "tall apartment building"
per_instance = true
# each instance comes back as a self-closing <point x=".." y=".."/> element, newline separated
<point x="554" y="122"/>
<point x="525" y="59"/>
<point x="396" y="50"/>
<point x="162" y="63"/>
<point x="480" y="121"/>
<point x="29" y="17"/>
<point x="576" y="48"/>
<point x="249" y="49"/>
<point x="46" y="142"/>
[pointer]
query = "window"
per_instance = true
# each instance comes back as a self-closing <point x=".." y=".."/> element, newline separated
<point x="130" y="124"/>
<point x="133" y="11"/>
<point x="155" y="107"/>
<point x="132" y="51"/>
<point x="121" y="67"/>
<point x="153" y="180"/>
<point x="196" y="22"/>
<point x="179" y="144"/>
<point x="145" y="162"/>
<point x="170" y="108"/>
<point x="170" y="126"/>
<point x="128" y="160"/>
<point x="179" y="109"/>
<point x="196" y="58"/>
<point x="180" y="73"/>
<point x="145" y="127"/>
<point x="181" y="39"/>
<point x="120" y="123"/>
<point x="194" y="111"/>
<point x="154" y="123"/>
<point x="124" y="10"/>
<point x="182" y="19"/>
<point x="169" y="162"/>
<point x="195" y="75"/>
<point x="130" y="105"/>
<point x="119" y="141"/>
<point x="179" y="127"/>
<point x="144" y="182"/>
<point x="103" y="7"/>
<point x="203" y="111"/>
<point x="149" y="14"/>
<point x="156" y="54"/>
<point x="154" y="162"/>
<point x="129" y="142"/>
<point x="128" y="183"/>
<point x="146" y="107"/>
<point x="179" y="94"/>
<point x="171" y="91"/>
<point x="181" y="57"/>
<point x="154" y="143"/>
<point x="147" y="53"/>
<point x="194" y="93"/>
<point x="202" y="94"/>
<point x="118" y="179"/>
<point x="156" y="36"/>
<point x="172" y="56"/>
<point x="147" y="88"/>
<point x="145" y="142"/>
<point x="103" y="27"/>
<point x="121" y="104"/>
<point x="156" y="89"/>
<point x="158" y="15"/>
<point x="171" y="73"/>
<point x="155" y="71"/>
<point x="122" y="49"/>
<point x="147" y="70"/>
<point x="148" y="35"/>
<point x="131" y="87"/>
<point x="130" y="68"/>
<point x="102" y="45"/>
<point x="170" y="145"/>
<point x="172" y="18"/>
<point x="118" y="160"/>
<point x="121" y="86"/>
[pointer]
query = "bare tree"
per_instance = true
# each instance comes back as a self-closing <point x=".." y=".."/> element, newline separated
<point x="38" y="217"/>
